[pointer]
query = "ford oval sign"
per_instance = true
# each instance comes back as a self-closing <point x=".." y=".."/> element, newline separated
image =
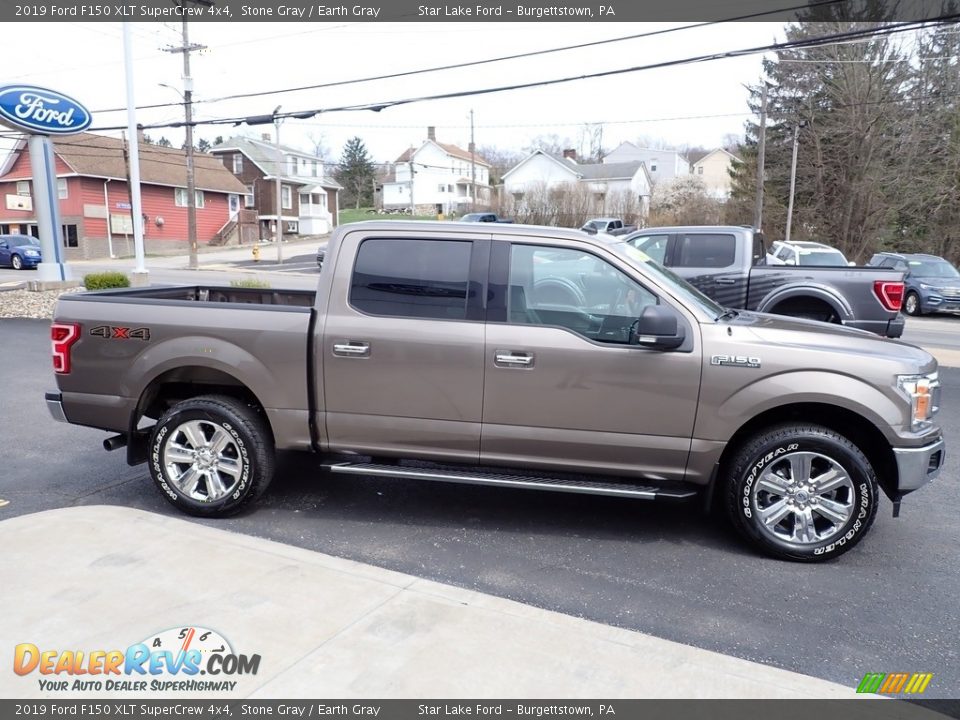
<point x="41" y="111"/>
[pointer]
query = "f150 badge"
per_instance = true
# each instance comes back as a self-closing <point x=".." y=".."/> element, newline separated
<point x="746" y="361"/>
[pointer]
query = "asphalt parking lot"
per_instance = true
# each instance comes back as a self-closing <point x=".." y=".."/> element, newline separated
<point x="889" y="605"/>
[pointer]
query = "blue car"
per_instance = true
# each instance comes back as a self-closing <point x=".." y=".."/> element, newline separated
<point x="932" y="283"/>
<point x="19" y="251"/>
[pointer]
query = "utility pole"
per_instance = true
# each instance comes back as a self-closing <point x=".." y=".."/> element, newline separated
<point x="793" y="183"/>
<point x="186" y="49"/>
<point x="758" y="210"/>
<point x="279" y="151"/>
<point x="473" y="167"/>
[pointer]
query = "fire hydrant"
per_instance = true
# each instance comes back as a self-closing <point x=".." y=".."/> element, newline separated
<point x="256" y="252"/>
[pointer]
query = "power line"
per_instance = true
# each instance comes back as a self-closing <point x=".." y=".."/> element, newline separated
<point x="772" y="47"/>
<point x="474" y="63"/>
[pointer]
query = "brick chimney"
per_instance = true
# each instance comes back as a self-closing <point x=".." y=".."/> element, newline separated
<point x="265" y="137"/>
<point x="432" y="133"/>
<point x="140" y="140"/>
<point x="570" y="154"/>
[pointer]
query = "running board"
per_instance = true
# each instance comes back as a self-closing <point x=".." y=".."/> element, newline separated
<point x="589" y="487"/>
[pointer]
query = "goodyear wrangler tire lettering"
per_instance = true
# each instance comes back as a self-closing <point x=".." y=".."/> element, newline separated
<point x="211" y="455"/>
<point x="800" y="492"/>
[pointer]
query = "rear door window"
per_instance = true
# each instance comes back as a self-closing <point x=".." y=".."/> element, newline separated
<point x="412" y="278"/>
<point x="707" y="250"/>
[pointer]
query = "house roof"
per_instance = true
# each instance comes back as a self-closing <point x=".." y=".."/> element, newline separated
<point x="570" y="167"/>
<point x="101" y="156"/>
<point x="714" y="152"/>
<point x="265" y="156"/>
<point x="608" y="171"/>
<point x="452" y="150"/>
<point x="629" y="145"/>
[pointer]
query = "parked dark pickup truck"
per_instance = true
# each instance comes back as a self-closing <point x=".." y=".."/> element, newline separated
<point x="728" y="264"/>
<point x="439" y="351"/>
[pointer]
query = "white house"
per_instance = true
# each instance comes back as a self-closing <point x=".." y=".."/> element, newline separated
<point x="661" y="164"/>
<point x="445" y="179"/>
<point x="605" y="181"/>
<point x="714" y="169"/>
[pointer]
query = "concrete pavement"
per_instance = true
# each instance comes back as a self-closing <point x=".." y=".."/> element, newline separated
<point x="103" y="578"/>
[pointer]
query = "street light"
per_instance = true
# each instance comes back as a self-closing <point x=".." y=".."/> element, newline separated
<point x="276" y="124"/>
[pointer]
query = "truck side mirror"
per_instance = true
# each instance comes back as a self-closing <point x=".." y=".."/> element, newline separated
<point x="657" y="328"/>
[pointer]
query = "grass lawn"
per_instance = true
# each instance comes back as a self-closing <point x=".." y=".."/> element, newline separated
<point x="349" y="215"/>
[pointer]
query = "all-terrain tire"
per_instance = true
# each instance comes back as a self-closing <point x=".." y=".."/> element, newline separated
<point x="820" y="482"/>
<point x="211" y="456"/>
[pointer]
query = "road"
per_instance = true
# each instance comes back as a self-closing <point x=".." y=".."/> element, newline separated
<point x="889" y="605"/>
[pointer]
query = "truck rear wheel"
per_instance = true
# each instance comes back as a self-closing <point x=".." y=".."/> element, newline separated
<point x="801" y="492"/>
<point x="211" y="455"/>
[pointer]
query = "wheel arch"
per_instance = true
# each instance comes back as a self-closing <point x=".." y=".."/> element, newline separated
<point x="189" y="381"/>
<point x="813" y="294"/>
<point x="855" y="427"/>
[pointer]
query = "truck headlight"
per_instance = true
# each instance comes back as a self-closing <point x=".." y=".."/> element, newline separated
<point x="923" y="392"/>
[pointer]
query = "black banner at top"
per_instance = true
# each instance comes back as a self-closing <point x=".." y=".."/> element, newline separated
<point x="600" y="11"/>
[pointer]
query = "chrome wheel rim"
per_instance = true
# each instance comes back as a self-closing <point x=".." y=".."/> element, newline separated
<point x="911" y="304"/>
<point x="202" y="460"/>
<point x="803" y="498"/>
<point x="16" y="263"/>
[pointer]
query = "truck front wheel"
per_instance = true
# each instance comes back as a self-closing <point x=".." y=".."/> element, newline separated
<point x="801" y="492"/>
<point x="211" y="455"/>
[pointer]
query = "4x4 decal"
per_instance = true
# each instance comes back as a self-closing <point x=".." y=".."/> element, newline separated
<point x="113" y="332"/>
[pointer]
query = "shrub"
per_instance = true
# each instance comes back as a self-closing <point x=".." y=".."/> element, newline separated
<point x="250" y="283"/>
<point x="105" y="281"/>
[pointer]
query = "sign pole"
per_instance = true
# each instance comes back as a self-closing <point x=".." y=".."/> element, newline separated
<point x="47" y="208"/>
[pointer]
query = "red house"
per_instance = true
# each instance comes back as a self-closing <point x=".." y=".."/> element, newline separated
<point x="95" y="197"/>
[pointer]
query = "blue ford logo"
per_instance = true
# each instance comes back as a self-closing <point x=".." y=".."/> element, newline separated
<point x="42" y="111"/>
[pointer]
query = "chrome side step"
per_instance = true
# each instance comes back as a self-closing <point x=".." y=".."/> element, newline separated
<point x="525" y="482"/>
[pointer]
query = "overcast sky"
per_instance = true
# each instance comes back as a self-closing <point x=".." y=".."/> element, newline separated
<point x="253" y="57"/>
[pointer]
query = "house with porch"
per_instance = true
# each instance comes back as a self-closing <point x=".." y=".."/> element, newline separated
<point x="94" y="197"/>
<point x="437" y="178"/>
<point x="310" y="199"/>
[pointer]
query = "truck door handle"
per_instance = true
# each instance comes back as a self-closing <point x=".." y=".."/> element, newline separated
<point x="352" y="349"/>
<point x="509" y="359"/>
<point x="725" y="281"/>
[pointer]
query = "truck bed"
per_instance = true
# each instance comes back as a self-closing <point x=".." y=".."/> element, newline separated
<point x="205" y="294"/>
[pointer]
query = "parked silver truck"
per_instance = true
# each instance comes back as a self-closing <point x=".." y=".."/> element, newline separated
<point x="440" y="352"/>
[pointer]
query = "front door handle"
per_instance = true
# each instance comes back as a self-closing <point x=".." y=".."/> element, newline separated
<point x="513" y="359"/>
<point x="352" y="349"/>
<point x="725" y="281"/>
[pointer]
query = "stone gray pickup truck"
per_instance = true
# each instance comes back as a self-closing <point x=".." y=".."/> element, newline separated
<point x="728" y="264"/>
<point x="439" y="351"/>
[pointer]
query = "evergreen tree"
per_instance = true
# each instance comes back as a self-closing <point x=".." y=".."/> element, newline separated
<point x="356" y="173"/>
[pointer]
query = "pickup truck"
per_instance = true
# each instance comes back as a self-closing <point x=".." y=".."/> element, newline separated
<point x="610" y="226"/>
<point x="440" y="352"/>
<point x="484" y="218"/>
<point x="728" y="264"/>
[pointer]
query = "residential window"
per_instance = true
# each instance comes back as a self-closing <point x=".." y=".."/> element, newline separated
<point x="62" y="188"/>
<point x="653" y="167"/>
<point x="286" y="198"/>
<point x="23" y="187"/>
<point x="291" y="165"/>
<point x="234" y="200"/>
<point x="314" y="168"/>
<point x="248" y="200"/>
<point x="700" y="170"/>
<point x="237" y="163"/>
<point x="403" y="277"/>
<point x="180" y="197"/>
<point x="541" y="293"/>
<point x="443" y="188"/>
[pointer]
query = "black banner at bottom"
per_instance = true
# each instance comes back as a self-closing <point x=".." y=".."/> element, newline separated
<point x="866" y="708"/>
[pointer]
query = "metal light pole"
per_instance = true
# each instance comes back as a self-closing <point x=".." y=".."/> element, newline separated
<point x="139" y="276"/>
<point x="276" y="124"/>
<point x="793" y="183"/>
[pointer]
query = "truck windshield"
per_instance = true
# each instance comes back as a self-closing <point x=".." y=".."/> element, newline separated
<point x="680" y="286"/>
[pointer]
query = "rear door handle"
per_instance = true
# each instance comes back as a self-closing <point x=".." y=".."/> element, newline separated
<point x="725" y="281"/>
<point x="352" y="349"/>
<point x="513" y="359"/>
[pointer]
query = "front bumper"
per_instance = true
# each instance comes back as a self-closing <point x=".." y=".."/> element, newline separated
<point x="55" y="406"/>
<point x="918" y="466"/>
<point x="940" y="303"/>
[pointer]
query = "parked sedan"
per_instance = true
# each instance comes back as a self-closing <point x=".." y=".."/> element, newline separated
<point x="20" y="251"/>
